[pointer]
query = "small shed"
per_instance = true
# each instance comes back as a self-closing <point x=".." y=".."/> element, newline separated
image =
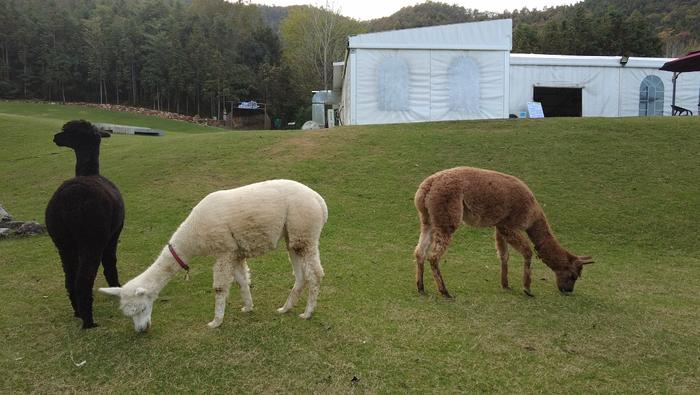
<point x="247" y="115"/>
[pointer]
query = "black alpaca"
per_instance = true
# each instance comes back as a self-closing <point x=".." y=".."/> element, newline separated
<point x="84" y="219"/>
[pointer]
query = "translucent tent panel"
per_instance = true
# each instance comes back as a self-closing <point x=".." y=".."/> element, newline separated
<point x="468" y="85"/>
<point x="464" y="75"/>
<point x="393" y="84"/>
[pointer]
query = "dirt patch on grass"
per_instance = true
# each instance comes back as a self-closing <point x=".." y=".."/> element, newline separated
<point x="306" y="145"/>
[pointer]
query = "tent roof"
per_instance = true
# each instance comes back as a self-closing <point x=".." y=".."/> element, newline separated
<point x="689" y="62"/>
<point x="487" y="35"/>
<point x="517" y="59"/>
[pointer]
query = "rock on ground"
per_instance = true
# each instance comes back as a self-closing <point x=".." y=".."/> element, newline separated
<point x="310" y="125"/>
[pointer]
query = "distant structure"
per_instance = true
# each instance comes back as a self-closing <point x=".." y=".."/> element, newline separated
<point x="247" y="115"/>
<point x="466" y="71"/>
<point x="126" y="129"/>
<point x="321" y="103"/>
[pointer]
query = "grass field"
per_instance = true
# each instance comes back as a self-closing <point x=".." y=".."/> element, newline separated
<point x="623" y="190"/>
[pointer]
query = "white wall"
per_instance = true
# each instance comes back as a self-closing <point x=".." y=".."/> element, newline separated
<point x="608" y="89"/>
<point x="598" y="96"/>
<point x="418" y="85"/>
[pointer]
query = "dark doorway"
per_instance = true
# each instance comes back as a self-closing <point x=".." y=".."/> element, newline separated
<point x="559" y="102"/>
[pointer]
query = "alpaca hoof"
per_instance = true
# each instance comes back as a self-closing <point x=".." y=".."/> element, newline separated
<point x="76" y="314"/>
<point x="247" y="309"/>
<point x="90" y="325"/>
<point x="305" y="315"/>
<point x="528" y="293"/>
<point x="214" y="324"/>
<point x="507" y="288"/>
<point x="282" y="310"/>
<point x="447" y="296"/>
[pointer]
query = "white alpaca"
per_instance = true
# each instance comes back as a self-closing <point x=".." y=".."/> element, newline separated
<point x="233" y="225"/>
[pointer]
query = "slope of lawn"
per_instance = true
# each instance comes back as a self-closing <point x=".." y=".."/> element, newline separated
<point x="623" y="190"/>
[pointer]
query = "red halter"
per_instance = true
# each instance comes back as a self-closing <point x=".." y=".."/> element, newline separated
<point x="178" y="259"/>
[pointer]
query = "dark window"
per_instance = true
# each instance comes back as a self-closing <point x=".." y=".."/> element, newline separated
<point x="559" y="102"/>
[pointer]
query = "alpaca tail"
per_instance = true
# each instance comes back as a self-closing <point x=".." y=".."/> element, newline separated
<point x="419" y="201"/>
<point x="324" y="208"/>
<point x="426" y="236"/>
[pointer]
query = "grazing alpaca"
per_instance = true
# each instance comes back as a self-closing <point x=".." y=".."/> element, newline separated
<point x="483" y="198"/>
<point x="233" y="225"/>
<point x="84" y="219"/>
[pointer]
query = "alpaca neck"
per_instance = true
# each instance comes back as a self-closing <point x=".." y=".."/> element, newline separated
<point x="87" y="161"/>
<point x="159" y="274"/>
<point x="546" y="245"/>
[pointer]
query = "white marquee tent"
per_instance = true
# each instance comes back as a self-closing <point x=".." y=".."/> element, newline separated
<point x="604" y="86"/>
<point x="427" y="74"/>
<point x="466" y="71"/>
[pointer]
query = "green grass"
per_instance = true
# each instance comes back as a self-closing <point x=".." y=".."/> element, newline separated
<point x="623" y="190"/>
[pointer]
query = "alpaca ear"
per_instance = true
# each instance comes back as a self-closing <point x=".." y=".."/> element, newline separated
<point x="140" y="291"/>
<point x="114" y="291"/>
<point x="585" y="260"/>
<point x="103" y="133"/>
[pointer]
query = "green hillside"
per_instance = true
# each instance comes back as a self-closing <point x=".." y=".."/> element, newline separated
<point x="622" y="190"/>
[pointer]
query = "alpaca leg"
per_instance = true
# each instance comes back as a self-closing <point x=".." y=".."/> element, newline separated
<point x="420" y="253"/>
<point x="502" y="249"/>
<point x="298" y="267"/>
<point x="70" y="262"/>
<point x="223" y="277"/>
<point x="520" y="243"/>
<point x="313" y="271"/>
<point x="71" y="287"/>
<point x="439" y="245"/>
<point x="109" y="261"/>
<point x="87" y="271"/>
<point x="242" y="275"/>
<point x="527" y="277"/>
<point x="446" y="213"/>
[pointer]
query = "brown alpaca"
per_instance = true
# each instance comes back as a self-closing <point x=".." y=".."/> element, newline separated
<point x="483" y="198"/>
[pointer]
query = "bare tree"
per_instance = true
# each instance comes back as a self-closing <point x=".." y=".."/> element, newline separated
<point x="324" y="40"/>
<point x="323" y="31"/>
<point x="314" y="38"/>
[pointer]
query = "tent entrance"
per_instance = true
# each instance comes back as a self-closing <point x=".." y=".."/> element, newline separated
<point x="559" y="102"/>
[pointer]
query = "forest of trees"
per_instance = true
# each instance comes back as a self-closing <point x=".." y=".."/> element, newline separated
<point x="172" y="55"/>
<point x="192" y="56"/>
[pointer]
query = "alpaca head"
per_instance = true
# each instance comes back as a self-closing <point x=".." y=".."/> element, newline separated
<point x="568" y="273"/>
<point x="79" y="134"/>
<point x="136" y="303"/>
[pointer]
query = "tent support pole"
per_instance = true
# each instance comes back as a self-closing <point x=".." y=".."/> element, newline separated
<point x="675" y="77"/>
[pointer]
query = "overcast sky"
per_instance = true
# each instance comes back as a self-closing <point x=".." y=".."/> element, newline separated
<point x="371" y="9"/>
